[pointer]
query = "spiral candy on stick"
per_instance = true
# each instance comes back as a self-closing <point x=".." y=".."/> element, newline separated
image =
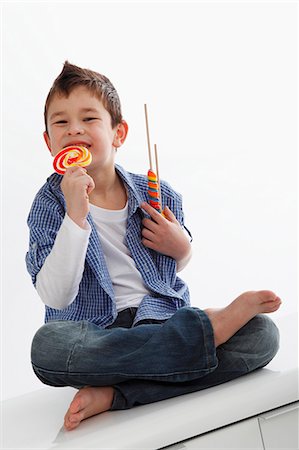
<point x="153" y="182"/>
<point x="74" y="155"/>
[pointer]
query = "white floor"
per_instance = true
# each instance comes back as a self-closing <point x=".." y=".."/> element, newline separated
<point x="34" y="421"/>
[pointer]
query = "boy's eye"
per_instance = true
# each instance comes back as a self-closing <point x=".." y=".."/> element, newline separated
<point x="87" y="119"/>
<point x="60" y="122"/>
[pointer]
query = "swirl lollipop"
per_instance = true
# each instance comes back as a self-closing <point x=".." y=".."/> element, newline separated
<point x="74" y="155"/>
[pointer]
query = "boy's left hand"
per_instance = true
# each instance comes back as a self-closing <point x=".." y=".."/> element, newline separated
<point x="164" y="234"/>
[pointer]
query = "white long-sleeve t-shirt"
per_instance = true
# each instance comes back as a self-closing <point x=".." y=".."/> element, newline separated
<point x="58" y="281"/>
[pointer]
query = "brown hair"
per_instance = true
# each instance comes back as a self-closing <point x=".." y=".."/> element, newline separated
<point x="73" y="76"/>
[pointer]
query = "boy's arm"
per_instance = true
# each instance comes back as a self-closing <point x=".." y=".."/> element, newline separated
<point x="57" y="282"/>
<point x="58" y="245"/>
<point x="165" y="235"/>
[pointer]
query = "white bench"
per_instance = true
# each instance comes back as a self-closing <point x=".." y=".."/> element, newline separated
<point x="35" y="420"/>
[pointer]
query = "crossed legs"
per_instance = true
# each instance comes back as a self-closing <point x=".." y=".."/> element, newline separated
<point x="90" y="401"/>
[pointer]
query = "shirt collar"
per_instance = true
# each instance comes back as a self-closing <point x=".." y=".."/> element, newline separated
<point x="134" y="199"/>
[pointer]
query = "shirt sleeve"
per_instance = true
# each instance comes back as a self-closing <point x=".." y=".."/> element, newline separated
<point x="174" y="201"/>
<point x="182" y="264"/>
<point x="57" y="282"/>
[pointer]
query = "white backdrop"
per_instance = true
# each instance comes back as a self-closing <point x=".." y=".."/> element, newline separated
<point x="220" y="81"/>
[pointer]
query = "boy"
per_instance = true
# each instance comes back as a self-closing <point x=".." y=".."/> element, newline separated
<point x="119" y="326"/>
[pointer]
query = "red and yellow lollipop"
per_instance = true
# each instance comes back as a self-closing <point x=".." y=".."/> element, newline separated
<point x="153" y="190"/>
<point x="74" y="155"/>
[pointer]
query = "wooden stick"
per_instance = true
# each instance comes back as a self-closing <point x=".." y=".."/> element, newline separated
<point x="156" y="162"/>
<point x="157" y="173"/>
<point x="148" y="139"/>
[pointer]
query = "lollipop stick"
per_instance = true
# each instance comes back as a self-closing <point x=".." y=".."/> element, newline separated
<point x="157" y="173"/>
<point x="148" y="139"/>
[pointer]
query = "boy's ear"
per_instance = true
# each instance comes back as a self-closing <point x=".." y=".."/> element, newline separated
<point x="47" y="140"/>
<point x="120" y="134"/>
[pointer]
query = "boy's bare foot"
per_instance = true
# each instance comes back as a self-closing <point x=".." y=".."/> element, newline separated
<point x="88" y="402"/>
<point x="227" y="321"/>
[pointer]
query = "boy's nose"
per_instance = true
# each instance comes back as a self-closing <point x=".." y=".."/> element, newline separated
<point x="75" y="130"/>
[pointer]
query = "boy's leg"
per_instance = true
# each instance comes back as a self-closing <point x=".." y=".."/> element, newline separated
<point x="81" y="354"/>
<point x="252" y="347"/>
<point x="180" y="331"/>
<point x="181" y="349"/>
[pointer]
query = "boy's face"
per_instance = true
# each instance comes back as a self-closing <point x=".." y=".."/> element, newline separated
<point x="81" y="118"/>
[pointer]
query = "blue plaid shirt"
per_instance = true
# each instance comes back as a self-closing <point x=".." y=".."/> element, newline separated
<point x="95" y="301"/>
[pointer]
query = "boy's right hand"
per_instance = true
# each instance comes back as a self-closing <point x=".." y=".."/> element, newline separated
<point x="76" y="185"/>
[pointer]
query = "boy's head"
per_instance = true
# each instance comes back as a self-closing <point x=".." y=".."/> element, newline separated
<point x="73" y="76"/>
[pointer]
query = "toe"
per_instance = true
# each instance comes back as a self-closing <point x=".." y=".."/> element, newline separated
<point x="72" y="421"/>
<point x="267" y="296"/>
<point x="75" y="405"/>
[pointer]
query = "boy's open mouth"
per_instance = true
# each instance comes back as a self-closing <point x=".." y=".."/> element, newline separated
<point x="79" y="144"/>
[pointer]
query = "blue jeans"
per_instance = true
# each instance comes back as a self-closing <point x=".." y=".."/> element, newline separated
<point x="153" y="360"/>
